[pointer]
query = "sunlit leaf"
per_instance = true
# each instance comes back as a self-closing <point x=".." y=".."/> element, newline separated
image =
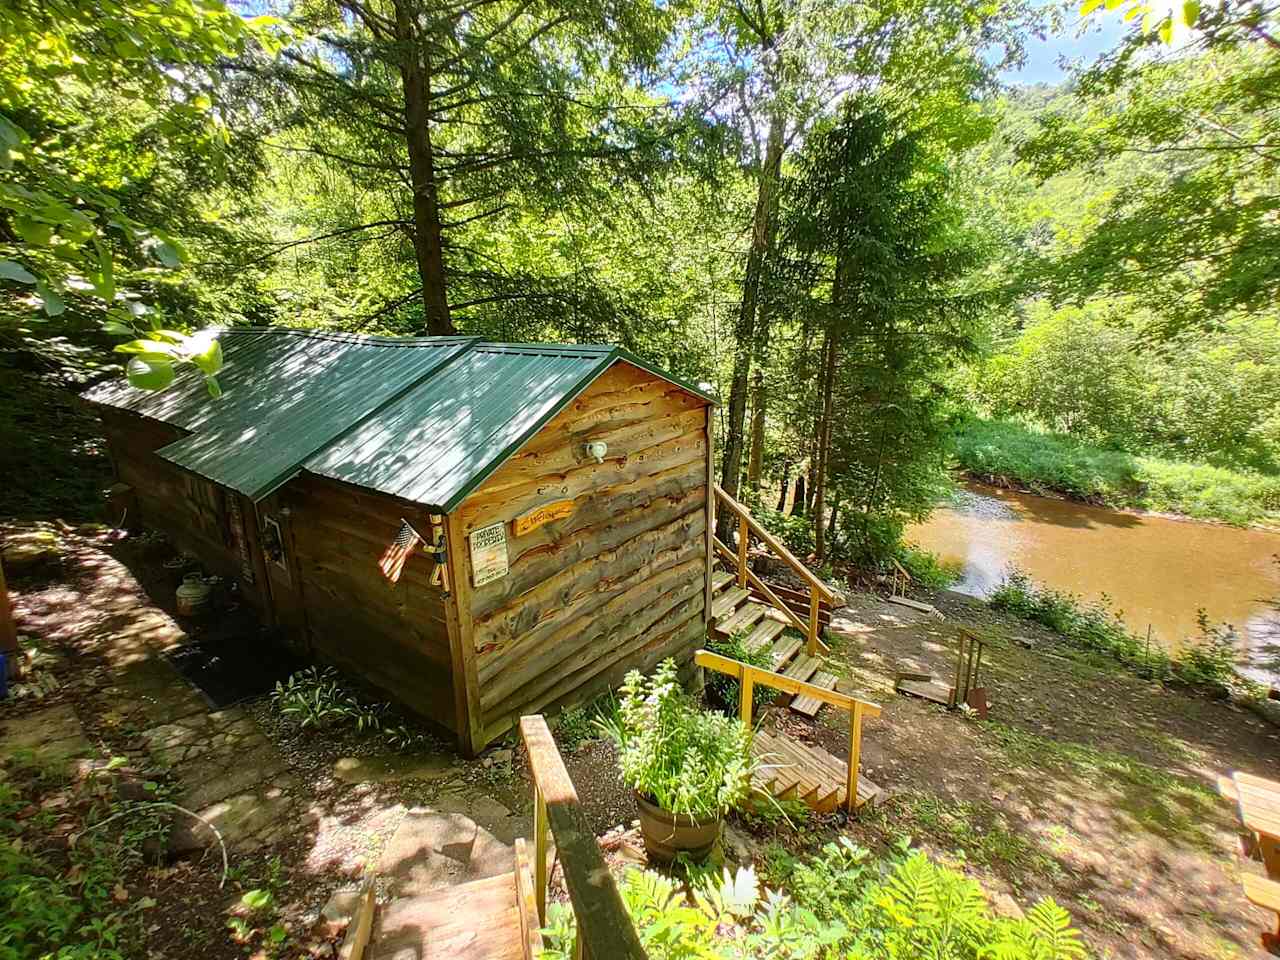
<point x="33" y="232"/>
<point x="1190" y="12"/>
<point x="215" y="389"/>
<point x="150" y="347"/>
<point x="148" y="374"/>
<point x="54" y="305"/>
<point x="207" y="354"/>
<point x="15" y="272"/>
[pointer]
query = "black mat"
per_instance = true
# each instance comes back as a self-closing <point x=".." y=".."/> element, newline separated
<point x="228" y="672"/>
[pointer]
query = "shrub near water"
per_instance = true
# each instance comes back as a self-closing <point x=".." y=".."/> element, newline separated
<point x="841" y="905"/>
<point x="1209" y="658"/>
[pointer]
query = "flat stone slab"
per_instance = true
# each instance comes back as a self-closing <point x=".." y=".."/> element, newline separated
<point x="190" y="738"/>
<point x="246" y="820"/>
<point x="216" y="776"/>
<point x="394" y="767"/>
<point x="431" y="850"/>
<point x="50" y="738"/>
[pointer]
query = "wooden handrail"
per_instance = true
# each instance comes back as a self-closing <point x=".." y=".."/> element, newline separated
<point x="777" y="546"/>
<point x="749" y="676"/>
<point x="605" y="930"/>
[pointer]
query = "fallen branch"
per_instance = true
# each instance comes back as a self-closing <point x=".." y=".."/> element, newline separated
<point x="172" y="806"/>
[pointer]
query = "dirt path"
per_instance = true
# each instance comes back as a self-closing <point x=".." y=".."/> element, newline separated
<point x="1085" y="784"/>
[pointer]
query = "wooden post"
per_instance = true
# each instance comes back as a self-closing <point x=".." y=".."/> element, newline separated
<point x="855" y="756"/>
<point x="743" y="541"/>
<point x="814" y="605"/>
<point x="746" y="695"/>
<point x="8" y="632"/>
<point x="540" y="853"/>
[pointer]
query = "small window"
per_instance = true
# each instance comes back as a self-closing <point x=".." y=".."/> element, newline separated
<point x="273" y="543"/>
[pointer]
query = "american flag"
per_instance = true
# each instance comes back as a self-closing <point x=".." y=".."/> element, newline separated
<point x="398" y="552"/>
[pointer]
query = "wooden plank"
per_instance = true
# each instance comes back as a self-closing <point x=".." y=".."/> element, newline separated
<point x="709" y="556"/>
<point x="776" y="545"/>
<point x="920" y="605"/>
<point x="527" y="903"/>
<point x="356" y="938"/>
<point x="720" y="578"/>
<point x="809" y="706"/>
<point x="803" y="667"/>
<point x="479" y="920"/>
<point x="1261" y="892"/>
<point x="744" y="618"/>
<point x="604" y="926"/>
<point x="705" y="658"/>
<point x="926" y="689"/>
<point x="461" y="644"/>
<point x="764" y="634"/>
<point x="728" y="601"/>
<point x="783" y="651"/>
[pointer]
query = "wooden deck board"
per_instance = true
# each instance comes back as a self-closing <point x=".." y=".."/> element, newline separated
<point x="745" y="617"/>
<point x="809" y="706"/>
<point x="765" y="632"/>
<point x="803" y="667"/>
<point x="806" y="772"/>
<point x="479" y="920"/>
<point x="720" y="579"/>
<point x="728" y="601"/>
<point x="783" y="651"/>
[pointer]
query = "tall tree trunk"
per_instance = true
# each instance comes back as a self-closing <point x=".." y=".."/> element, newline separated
<point x="763" y="226"/>
<point x="824" y="446"/>
<point x="782" y="487"/>
<point x="428" y="247"/>
<point x="755" y="462"/>
<point x="801" y="498"/>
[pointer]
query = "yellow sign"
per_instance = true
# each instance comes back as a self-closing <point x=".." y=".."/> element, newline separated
<point x="544" y="514"/>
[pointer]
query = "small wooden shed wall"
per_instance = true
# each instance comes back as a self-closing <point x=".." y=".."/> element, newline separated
<point x="607" y="563"/>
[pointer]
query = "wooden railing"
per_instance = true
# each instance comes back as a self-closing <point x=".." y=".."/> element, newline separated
<point x="818" y="591"/>
<point x="749" y="676"/>
<point x="605" y="931"/>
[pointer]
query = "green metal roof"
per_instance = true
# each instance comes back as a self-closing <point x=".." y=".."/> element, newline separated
<point x="425" y="419"/>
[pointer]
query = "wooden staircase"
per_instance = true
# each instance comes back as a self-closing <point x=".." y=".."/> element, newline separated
<point x="743" y="604"/>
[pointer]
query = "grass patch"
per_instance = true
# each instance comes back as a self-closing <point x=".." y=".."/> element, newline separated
<point x="1208" y="658"/>
<point x="1005" y="452"/>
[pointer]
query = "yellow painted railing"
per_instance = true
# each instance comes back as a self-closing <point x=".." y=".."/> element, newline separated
<point x="747" y="527"/>
<point x="605" y="931"/>
<point x="749" y="676"/>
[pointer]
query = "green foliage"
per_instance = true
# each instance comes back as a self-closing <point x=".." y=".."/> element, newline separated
<point x="1007" y="453"/>
<point x="841" y="905"/>
<point x="684" y="759"/>
<point x="315" y="698"/>
<point x="927" y="569"/>
<point x="723" y="691"/>
<point x="1209" y="658"/>
<point x="796" y="532"/>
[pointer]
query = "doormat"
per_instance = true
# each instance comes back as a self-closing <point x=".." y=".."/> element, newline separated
<point x="228" y="671"/>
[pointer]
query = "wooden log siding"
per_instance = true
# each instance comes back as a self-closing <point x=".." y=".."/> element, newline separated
<point x="395" y="634"/>
<point x="616" y="584"/>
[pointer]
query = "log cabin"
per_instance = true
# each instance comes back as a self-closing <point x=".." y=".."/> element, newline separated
<point x="482" y="530"/>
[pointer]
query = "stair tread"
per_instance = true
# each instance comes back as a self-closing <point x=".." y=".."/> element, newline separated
<point x="793" y="767"/>
<point x="728" y="601"/>
<point x="765" y="632"/>
<point x="809" y="706"/>
<point x="745" y="617"/>
<point x="479" y="919"/>
<point x="802" y="667"/>
<point x="784" y="650"/>
<point x="720" y="579"/>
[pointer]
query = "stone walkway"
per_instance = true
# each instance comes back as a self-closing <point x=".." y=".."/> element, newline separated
<point x="226" y="768"/>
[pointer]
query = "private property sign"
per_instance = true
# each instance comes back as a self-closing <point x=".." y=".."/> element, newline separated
<point x="488" y="554"/>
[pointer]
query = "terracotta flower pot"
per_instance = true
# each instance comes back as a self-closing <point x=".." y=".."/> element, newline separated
<point x="667" y="834"/>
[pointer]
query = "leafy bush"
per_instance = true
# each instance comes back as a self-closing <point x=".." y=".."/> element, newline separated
<point x="315" y="698"/>
<point x="841" y="907"/>
<point x="1003" y="452"/>
<point x="927" y="569"/>
<point x="684" y="759"/>
<point x="795" y="532"/>
<point x="1207" y="658"/>
<point x="723" y="690"/>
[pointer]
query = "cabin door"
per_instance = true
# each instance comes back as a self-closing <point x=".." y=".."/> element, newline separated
<point x="275" y="539"/>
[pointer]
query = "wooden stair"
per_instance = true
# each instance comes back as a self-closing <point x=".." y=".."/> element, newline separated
<point x="490" y="919"/>
<point x="796" y="771"/>
<point x="734" y="610"/>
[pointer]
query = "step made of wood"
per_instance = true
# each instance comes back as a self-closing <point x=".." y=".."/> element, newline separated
<point x="728" y="601"/>
<point x="719" y="579"/>
<point x="796" y="772"/>
<point x="803" y="667"/>
<point x="479" y="920"/>
<point x="765" y="633"/>
<point x="784" y="650"/>
<point x="746" y="617"/>
<point x="809" y="706"/>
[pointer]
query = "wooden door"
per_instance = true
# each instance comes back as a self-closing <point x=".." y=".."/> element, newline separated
<point x="275" y="540"/>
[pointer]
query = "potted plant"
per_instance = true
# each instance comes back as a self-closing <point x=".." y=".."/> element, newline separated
<point x="688" y="767"/>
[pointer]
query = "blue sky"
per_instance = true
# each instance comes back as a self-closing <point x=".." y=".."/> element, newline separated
<point x="1044" y="56"/>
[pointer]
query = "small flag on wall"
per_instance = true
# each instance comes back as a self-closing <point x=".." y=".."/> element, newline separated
<point x="398" y="552"/>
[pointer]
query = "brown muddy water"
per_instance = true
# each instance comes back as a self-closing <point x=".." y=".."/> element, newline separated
<point x="1156" y="571"/>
